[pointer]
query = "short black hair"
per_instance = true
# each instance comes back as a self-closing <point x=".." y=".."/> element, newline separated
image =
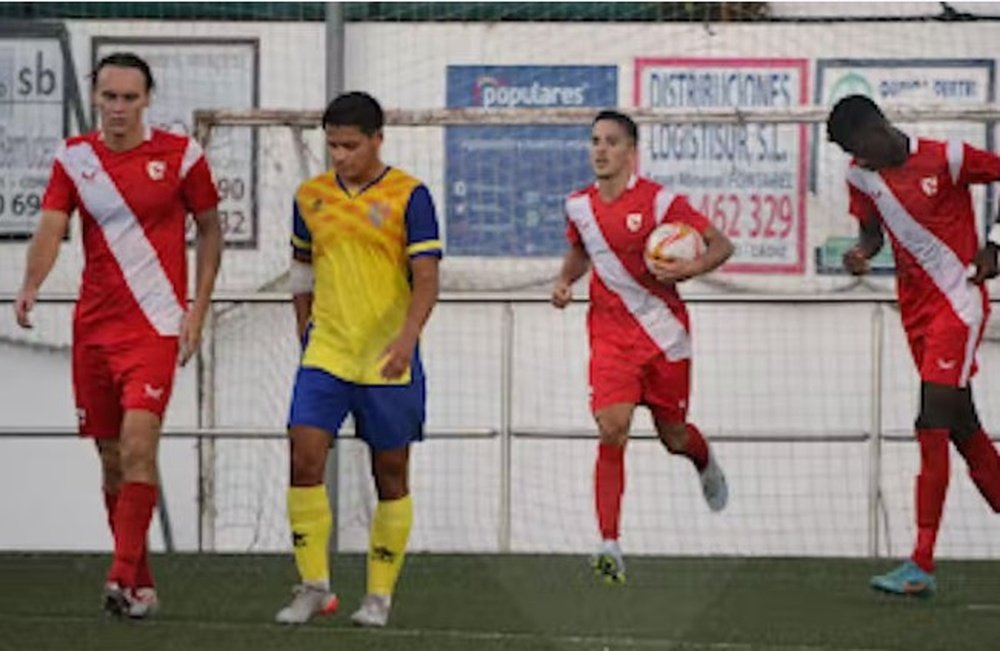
<point x="625" y="121"/>
<point x="355" y="109"/>
<point x="125" y="60"/>
<point x="851" y="113"/>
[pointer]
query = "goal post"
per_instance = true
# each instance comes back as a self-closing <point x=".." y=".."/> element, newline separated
<point x="809" y="400"/>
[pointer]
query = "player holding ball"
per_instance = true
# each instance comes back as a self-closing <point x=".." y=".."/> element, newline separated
<point x="640" y="343"/>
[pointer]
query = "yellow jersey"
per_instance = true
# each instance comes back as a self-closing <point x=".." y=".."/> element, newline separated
<point x="360" y="246"/>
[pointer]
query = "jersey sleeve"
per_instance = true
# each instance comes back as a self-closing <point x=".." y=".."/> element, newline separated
<point x="860" y="204"/>
<point x="681" y="210"/>
<point x="197" y="185"/>
<point x="301" y="237"/>
<point x="60" y="193"/>
<point x="573" y="233"/>
<point x="422" y="234"/>
<point x="973" y="165"/>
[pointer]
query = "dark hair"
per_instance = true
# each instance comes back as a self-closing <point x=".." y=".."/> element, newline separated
<point x="355" y="109"/>
<point x="125" y="60"/>
<point x="850" y="114"/>
<point x="625" y="121"/>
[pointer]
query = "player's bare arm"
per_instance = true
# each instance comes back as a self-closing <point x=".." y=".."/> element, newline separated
<point x="870" y="240"/>
<point x="718" y="249"/>
<point x="576" y="262"/>
<point x="42" y="253"/>
<point x="986" y="258"/>
<point x="208" y="256"/>
<point x="424" y="271"/>
<point x="301" y="281"/>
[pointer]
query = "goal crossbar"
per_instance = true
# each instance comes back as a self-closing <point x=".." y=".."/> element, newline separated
<point x="570" y="116"/>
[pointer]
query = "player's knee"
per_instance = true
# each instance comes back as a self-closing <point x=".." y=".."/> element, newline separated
<point x="138" y="461"/>
<point x="613" y="431"/>
<point x="940" y="406"/>
<point x="616" y="436"/>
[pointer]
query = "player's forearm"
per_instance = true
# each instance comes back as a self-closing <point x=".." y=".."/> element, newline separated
<point x="870" y="237"/>
<point x="719" y="249"/>
<point x="208" y="257"/>
<point x="870" y="242"/>
<point x="302" y="304"/>
<point x="426" y="286"/>
<point x="44" y="249"/>
<point x="576" y="262"/>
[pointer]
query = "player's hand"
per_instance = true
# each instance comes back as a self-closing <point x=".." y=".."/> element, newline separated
<point x="986" y="264"/>
<point x="670" y="272"/>
<point x="562" y="294"/>
<point x="190" y="336"/>
<point x="855" y="261"/>
<point x="23" y="305"/>
<point x="397" y="356"/>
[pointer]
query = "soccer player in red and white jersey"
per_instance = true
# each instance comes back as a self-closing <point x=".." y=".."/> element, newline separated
<point x="133" y="187"/>
<point x="917" y="191"/>
<point x="640" y="343"/>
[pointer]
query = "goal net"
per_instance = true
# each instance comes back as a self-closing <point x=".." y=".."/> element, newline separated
<point x="790" y="389"/>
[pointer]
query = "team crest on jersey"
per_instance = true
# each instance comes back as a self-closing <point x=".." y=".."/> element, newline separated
<point x="378" y="213"/>
<point x="156" y="169"/>
<point x="929" y="184"/>
<point x="633" y="221"/>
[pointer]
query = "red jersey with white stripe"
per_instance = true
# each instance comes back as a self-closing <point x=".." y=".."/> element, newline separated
<point x="926" y="208"/>
<point x="132" y="206"/>
<point x="627" y="304"/>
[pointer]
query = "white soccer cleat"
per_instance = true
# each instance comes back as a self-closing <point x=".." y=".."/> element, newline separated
<point x="713" y="485"/>
<point x="309" y="601"/>
<point x="117" y="599"/>
<point x="144" y="603"/>
<point x="374" y="611"/>
<point x="608" y="562"/>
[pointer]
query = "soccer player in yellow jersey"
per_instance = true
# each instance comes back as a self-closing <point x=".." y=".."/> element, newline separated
<point x="364" y="276"/>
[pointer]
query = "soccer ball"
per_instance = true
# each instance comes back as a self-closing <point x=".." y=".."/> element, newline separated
<point x="673" y="241"/>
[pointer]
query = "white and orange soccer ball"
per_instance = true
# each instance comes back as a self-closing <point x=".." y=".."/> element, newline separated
<point x="673" y="241"/>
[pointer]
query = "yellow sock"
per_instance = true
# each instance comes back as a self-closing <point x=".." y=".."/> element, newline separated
<point x="387" y="544"/>
<point x="311" y="523"/>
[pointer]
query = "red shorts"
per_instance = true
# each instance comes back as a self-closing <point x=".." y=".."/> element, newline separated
<point x="944" y="350"/>
<point x="620" y="375"/>
<point x="108" y="380"/>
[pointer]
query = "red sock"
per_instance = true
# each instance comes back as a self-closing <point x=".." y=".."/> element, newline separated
<point x="931" y="487"/>
<point x="697" y="448"/>
<point x="984" y="466"/>
<point x="609" y="484"/>
<point x="133" y="512"/>
<point x="144" y="576"/>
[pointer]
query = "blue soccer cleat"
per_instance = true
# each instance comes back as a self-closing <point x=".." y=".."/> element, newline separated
<point x="907" y="579"/>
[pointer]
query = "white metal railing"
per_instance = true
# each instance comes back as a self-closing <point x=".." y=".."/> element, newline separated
<point x="206" y="433"/>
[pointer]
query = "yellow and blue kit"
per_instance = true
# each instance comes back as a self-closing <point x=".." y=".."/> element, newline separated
<point x="360" y="246"/>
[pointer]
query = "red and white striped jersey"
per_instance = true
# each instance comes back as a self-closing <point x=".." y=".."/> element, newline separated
<point x="627" y="304"/>
<point x="926" y="209"/>
<point x="132" y="206"/>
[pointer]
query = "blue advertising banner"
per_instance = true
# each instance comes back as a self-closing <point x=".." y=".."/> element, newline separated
<point x="506" y="185"/>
